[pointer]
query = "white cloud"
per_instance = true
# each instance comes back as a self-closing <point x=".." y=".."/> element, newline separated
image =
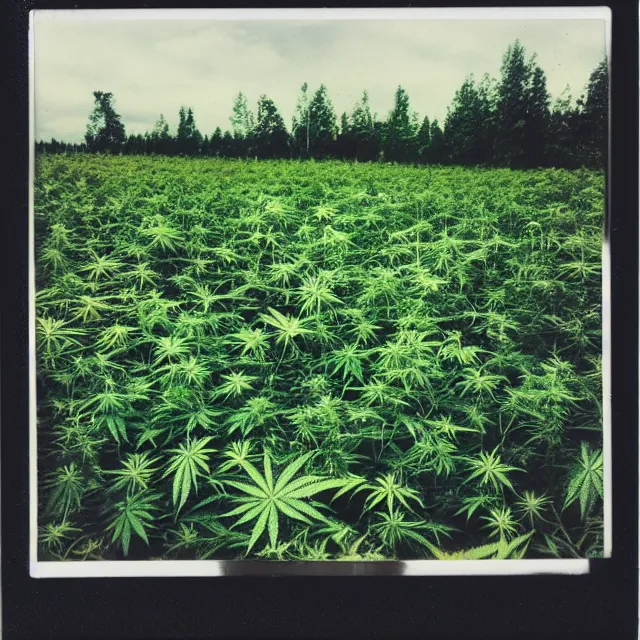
<point x="155" y="67"/>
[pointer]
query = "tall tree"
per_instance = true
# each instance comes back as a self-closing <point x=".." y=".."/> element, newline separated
<point x="379" y="136"/>
<point x="270" y="134"/>
<point x="205" y="146"/>
<point x="436" y="153"/>
<point x="563" y="127"/>
<point x="512" y="108"/>
<point x="181" y="132"/>
<point x="188" y="137"/>
<point x="300" y="129"/>
<point x="466" y="124"/>
<point x="243" y="123"/>
<point x="363" y="130"/>
<point x="536" y="130"/>
<point x="488" y="131"/>
<point x="228" y="148"/>
<point x="323" y="127"/>
<point x="345" y="147"/>
<point x="105" y="131"/>
<point x="424" y="140"/>
<point x="215" y="142"/>
<point x="194" y="137"/>
<point x="160" y="139"/>
<point x="401" y="130"/>
<point x="594" y="120"/>
<point x="523" y="110"/>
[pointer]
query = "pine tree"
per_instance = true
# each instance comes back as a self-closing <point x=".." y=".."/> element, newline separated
<point x="511" y="106"/>
<point x="271" y="136"/>
<point x="204" y="145"/>
<point x="424" y="140"/>
<point x="594" y="119"/>
<point x="563" y="132"/>
<point x="215" y="142"/>
<point x="323" y="129"/>
<point x="345" y="147"/>
<point x="489" y="126"/>
<point x="401" y="130"/>
<point x="536" y="130"/>
<point x="466" y="124"/>
<point x="523" y="110"/>
<point x="243" y="123"/>
<point x="105" y="131"/>
<point x="160" y="138"/>
<point x="194" y="137"/>
<point x="181" y="133"/>
<point x="437" y="148"/>
<point x="188" y="137"/>
<point x="228" y="148"/>
<point x="300" y="125"/>
<point x="363" y="130"/>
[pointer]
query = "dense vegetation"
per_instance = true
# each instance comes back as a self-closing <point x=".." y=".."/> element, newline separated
<point x="506" y="123"/>
<point x="317" y="360"/>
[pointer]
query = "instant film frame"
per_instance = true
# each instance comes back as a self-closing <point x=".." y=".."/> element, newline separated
<point x="210" y="568"/>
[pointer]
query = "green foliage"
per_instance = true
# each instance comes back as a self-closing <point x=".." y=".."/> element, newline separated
<point x="267" y="498"/>
<point x="507" y="122"/>
<point x="488" y="468"/>
<point x="188" y="462"/>
<point x="331" y="361"/>
<point x="105" y="131"/>
<point x="502" y="550"/>
<point x="136" y="474"/>
<point x="132" y="515"/>
<point x="585" y="480"/>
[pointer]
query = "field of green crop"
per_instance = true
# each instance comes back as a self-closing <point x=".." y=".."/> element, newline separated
<point x="315" y="361"/>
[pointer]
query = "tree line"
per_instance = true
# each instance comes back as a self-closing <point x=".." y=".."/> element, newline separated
<point x="508" y="122"/>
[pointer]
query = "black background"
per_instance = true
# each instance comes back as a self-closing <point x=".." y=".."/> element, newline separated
<point x="603" y="604"/>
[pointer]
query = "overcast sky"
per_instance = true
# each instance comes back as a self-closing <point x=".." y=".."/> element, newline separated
<point x="154" y="67"/>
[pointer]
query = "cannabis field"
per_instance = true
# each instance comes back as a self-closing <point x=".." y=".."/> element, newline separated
<point x="316" y="360"/>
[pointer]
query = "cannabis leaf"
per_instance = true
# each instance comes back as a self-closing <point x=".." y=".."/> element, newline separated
<point x="267" y="497"/>
<point x="187" y="464"/>
<point x="133" y="514"/>
<point x="585" y="479"/>
<point x="489" y="469"/>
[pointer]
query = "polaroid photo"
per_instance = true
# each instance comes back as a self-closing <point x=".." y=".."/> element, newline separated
<point x="319" y="291"/>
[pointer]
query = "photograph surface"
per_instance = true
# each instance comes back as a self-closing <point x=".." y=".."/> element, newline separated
<point x="318" y="289"/>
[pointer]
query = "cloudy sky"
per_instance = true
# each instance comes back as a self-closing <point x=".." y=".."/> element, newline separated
<point x="154" y="67"/>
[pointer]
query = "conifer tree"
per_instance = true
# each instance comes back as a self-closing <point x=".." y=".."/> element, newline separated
<point x="466" y="129"/>
<point x="194" y="137"/>
<point x="436" y="153"/>
<point x="512" y="107"/>
<point x="363" y="130"/>
<point x="522" y="109"/>
<point x="188" y="137"/>
<point x="215" y="142"/>
<point x="594" y="119"/>
<point x="424" y="140"/>
<point x="227" y="145"/>
<point x="345" y="143"/>
<point x="105" y="131"/>
<point x="160" y="138"/>
<point x="401" y="130"/>
<point x="300" y="125"/>
<point x="204" y="145"/>
<point x="323" y="127"/>
<point x="563" y="132"/>
<point x="270" y="134"/>
<point x="243" y="123"/>
<point x="536" y="132"/>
